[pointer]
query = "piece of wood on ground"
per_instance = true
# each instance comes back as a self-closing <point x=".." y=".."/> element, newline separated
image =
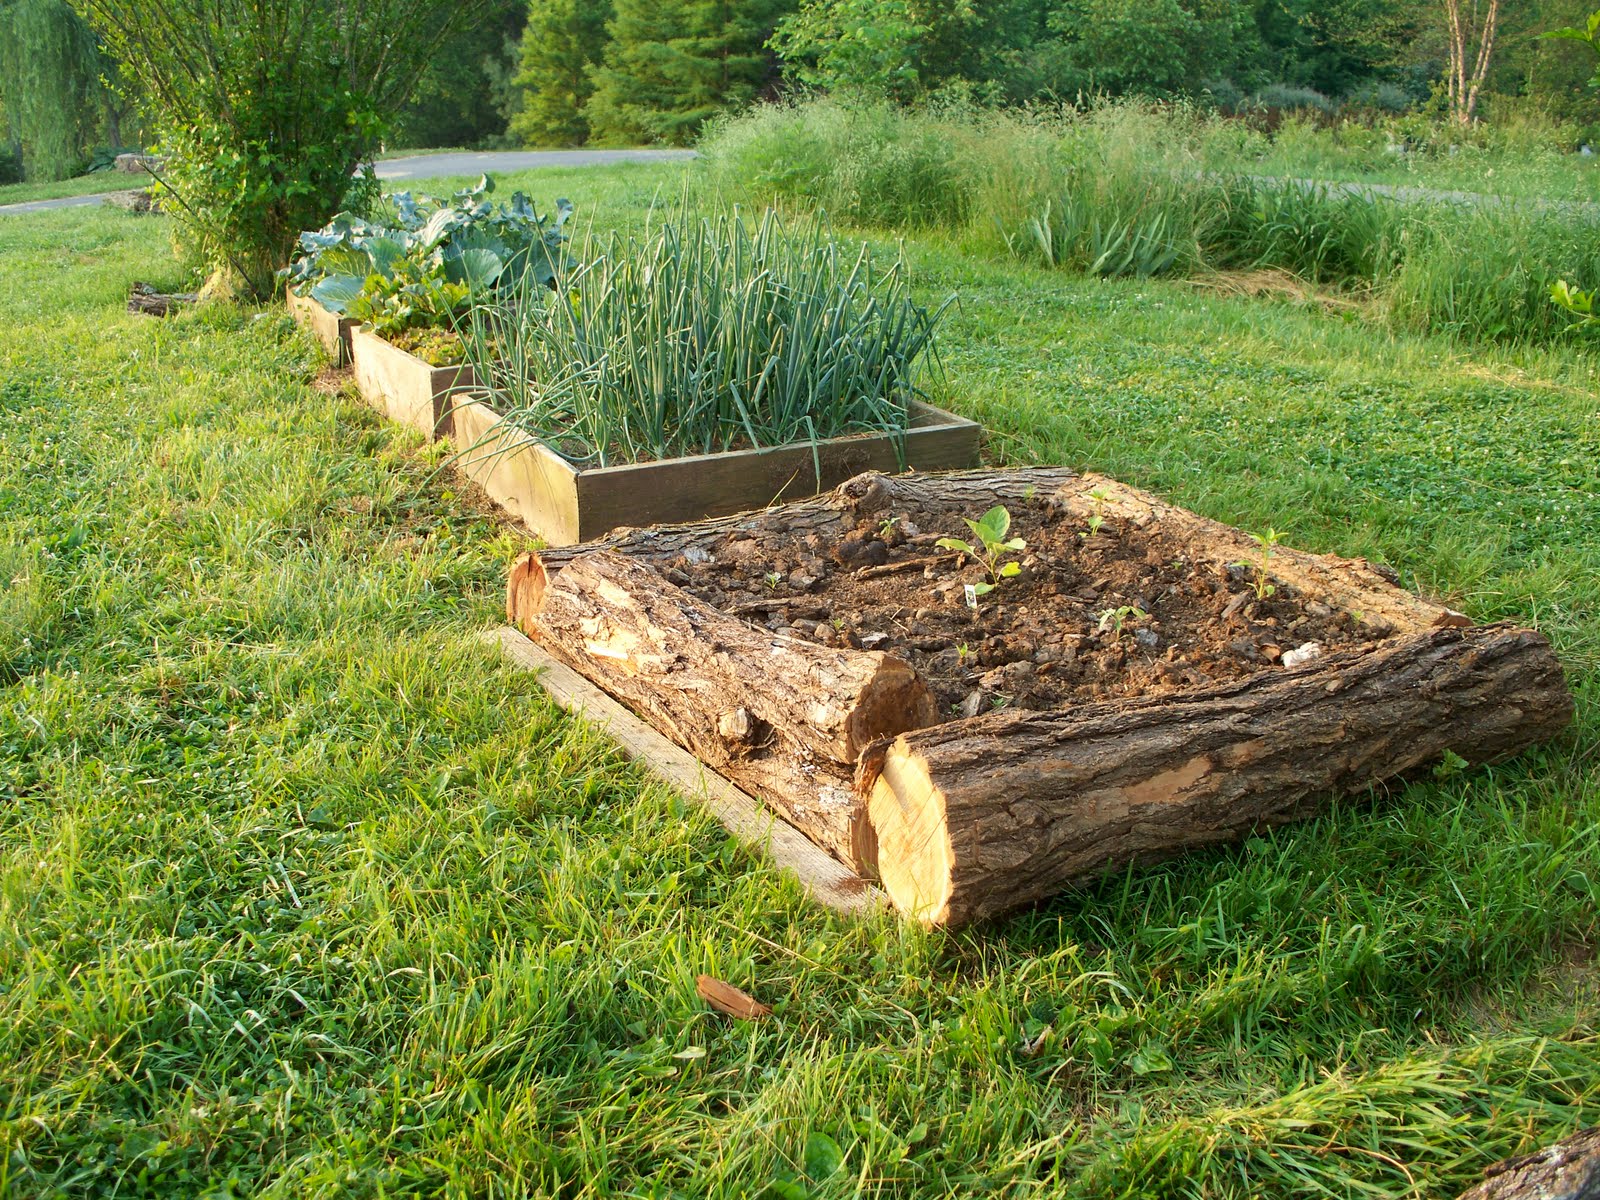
<point x="976" y="817"/>
<point x="729" y="1000"/>
<point x="782" y="716"/>
<point x="146" y="301"/>
<point x="1564" y="1170"/>
<point x="825" y="880"/>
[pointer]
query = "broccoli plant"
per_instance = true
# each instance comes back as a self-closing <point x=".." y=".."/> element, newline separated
<point x="993" y="546"/>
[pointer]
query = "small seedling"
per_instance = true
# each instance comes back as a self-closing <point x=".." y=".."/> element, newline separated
<point x="993" y="546"/>
<point x="773" y="579"/>
<point x="886" y="526"/>
<point x="1114" y="619"/>
<point x="1097" y="518"/>
<point x="963" y="652"/>
<point x="838" y="624"/>
<point x="1266" y="542"/>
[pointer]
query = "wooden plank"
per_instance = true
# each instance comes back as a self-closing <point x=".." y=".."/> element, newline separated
<point x="824" y="879"/>
<point x="332" y="330"/>
<point x="407" y="389"/>
<point x="716" y="485"/>
<point x="523" y="476"/>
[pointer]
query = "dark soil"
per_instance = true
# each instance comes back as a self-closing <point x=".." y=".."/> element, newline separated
<point x="1044" y="639"/>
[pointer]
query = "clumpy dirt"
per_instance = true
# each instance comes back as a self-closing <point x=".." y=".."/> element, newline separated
<point x="1116" y="612"/>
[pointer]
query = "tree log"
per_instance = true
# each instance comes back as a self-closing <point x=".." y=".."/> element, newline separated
<point x="975" y="817"/>
<point x="870" y="492"/>
<point x="784" y="718"/>
<point x="1565" y="1170"/>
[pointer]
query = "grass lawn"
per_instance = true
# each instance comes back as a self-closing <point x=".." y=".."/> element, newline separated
<point x="304" y="894"/>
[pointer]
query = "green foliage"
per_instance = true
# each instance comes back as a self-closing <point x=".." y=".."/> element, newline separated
<point x="670" y="65"/>
<point x="54" y="87"/>
<point x="989" y="532"/>
<point x="703" y="335"/>
<point x="463" y="96"/>
<point x="1132" y="189"/>
<point x="561" y="47"/>
<point x="425" y="263"/>
<point x="265" y="110"/>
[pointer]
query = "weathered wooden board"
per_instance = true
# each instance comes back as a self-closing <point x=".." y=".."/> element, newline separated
<point x="566" y="505"/>
<point x="824" y="879"/>
<point x="407" y="389"/>
<point x="332" y="330"/>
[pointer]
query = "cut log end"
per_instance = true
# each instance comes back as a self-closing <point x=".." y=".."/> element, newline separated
<point x="895" y="699"/>
<point x="910" y="842"/>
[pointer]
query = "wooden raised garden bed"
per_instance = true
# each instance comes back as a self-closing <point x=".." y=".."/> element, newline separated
<point x="565" y="504"/>
<point x="332" y="330"/>
<point x="406" y="388"/>
<point x="1150" y="682"/>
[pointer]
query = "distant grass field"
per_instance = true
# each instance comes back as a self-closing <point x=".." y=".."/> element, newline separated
<point x="303" y="894"/>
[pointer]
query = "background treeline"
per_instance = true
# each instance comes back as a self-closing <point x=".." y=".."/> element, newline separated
<point x="616" y="72"/>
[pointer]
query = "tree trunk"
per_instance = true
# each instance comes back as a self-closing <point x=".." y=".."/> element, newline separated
<point x="979" y="816"/>
<point x="786" y="719"/>
<point x="1567" y="1170"/>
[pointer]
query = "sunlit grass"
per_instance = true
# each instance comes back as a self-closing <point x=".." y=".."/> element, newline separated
<point x="303" y="893"/>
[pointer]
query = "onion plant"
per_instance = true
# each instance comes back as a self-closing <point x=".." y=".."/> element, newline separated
<point x="705" y="334"/>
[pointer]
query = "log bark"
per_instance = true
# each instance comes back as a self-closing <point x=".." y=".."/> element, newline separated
<point x="870" y="492"/>
<point x="975" y="817"/>
<point x="145" y="300"/>
<point x="1565" y="1170"/>
<point x="784" y="718"/>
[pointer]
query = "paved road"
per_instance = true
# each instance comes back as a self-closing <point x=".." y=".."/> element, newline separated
<point x="426" y="166"/>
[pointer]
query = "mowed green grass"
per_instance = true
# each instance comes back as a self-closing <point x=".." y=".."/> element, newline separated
<point x="304" y="894"/>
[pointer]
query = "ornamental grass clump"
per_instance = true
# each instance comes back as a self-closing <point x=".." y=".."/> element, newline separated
<point x="704" y="335"/>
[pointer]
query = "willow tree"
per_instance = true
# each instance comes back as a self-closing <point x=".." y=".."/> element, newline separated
<point x="265" y="108"/>
<point x="52" y="83"/>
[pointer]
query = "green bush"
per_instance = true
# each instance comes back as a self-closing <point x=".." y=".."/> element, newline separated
<point x="1137" y="189"/>
<point x="265" y="111"/>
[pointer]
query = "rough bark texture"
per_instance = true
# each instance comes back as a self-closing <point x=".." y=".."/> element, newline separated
<point x="1567" y="1170"/>
<point x="975" y="817"/>
<point x="866" y="493"/>
<point x="144" y="299"/>
<point x="785" y="718"/>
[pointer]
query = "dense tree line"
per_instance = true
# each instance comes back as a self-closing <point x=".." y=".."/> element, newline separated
<point x="568" y="72"/>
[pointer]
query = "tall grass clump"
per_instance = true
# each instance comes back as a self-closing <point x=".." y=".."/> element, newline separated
<point x="707" y="334"/>
<point x="868" y="163"/>
<point x="1133" y="189"/>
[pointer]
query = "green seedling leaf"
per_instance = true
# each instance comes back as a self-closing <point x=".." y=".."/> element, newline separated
<point x="1010" y="569"/>
<point x="950" y="543"/>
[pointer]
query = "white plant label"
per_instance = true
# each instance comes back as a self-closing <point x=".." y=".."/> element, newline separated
<point x="972" y="596"/>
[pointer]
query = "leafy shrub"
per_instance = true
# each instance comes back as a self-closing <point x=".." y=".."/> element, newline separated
<point x="704" y="335"/>
<point x="265" y="110"/>
<point x="1380" y="97"/>
<point x="424" y="262"/>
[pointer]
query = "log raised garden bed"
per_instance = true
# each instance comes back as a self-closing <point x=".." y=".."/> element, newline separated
<point x="1149" y="683"/>
<point x="332" y="330"/>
